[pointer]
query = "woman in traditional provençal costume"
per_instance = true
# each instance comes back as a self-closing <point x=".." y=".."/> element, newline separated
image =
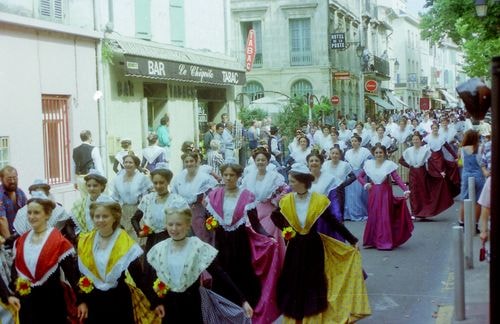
<point x="104" y="256"/>
<point x="246" y="252"/>
<point x="322" y="279"/>
<point x="268" y="186"/>
<point x="325" y="183"/>
<point x="438" y="166"/>
<point x="342" y="171"/>
<point x="401" y="135"/>
<point x="355" y="197"/>
<point x="149" y="219"/>
<point x="193" y="183"/>
<point x="173" y="276"/>
<point x="39" y="256"/>
<point x="426" y="197"/>
<point x="128" y="189"/>
<point x="389" y="221"/>
<point x="80" y="213"/>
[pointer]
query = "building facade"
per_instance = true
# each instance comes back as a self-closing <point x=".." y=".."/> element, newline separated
<point x="167" y="58"/>
<point x="48" y="80"/>
<point x="321" y="48"/>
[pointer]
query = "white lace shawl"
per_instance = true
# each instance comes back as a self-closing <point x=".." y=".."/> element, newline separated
<point x="151" y="218"/>
<point x="130" y="192"/>
<point x="416" y="157"/>
<point x="271" y="182"/>
<point x="190" y="190"/>
<point x="378" y="174"/>
<point x="326" y="182"/>
<point x="199" y="257"/>
<point x="356" y="158"/>
<point x="152" y="152"/>
<point x="435" y="143"/>
<point x="341" y="170"/>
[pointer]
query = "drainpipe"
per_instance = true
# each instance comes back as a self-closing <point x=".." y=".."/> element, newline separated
<point x="101" y="107"/>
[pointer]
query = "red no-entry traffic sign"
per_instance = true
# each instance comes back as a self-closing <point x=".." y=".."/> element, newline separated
<point x="335" y="100"/>
<point x="371" y="85"/>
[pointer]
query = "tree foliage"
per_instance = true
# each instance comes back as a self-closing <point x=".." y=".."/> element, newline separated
<point x="477" y="36"/>
<point x="247" y="116"/>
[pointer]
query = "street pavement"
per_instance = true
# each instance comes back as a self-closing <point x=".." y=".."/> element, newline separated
<point x="414" y="283"/>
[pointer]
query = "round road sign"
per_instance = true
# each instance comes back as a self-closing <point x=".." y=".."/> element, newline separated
<point x="371" y="85"/>
<point x="335" y="100"/>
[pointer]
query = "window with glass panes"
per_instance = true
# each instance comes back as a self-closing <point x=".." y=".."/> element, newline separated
<point x="301" y="88"/>
<point x="300" y="41"/>
<point x="254" y="90"/>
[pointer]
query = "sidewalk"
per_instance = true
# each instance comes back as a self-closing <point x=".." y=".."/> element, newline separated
<point x="477" y="298"/>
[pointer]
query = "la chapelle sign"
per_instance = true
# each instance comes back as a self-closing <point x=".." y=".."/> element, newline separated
<point x="180" y="71"/>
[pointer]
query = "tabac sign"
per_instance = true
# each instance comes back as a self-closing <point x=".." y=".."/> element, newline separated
<point x="170" y="70"/>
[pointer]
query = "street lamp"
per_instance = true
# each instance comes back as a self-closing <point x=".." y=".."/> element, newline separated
<point x="359" y="50"/>
<point x="396" y="65"/>
<point x="481" y="7"/>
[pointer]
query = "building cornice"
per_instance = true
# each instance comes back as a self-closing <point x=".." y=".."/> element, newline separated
<point x="311" y="5"/>
<point x="250" y="9"/>
<point x="37" y="24"/>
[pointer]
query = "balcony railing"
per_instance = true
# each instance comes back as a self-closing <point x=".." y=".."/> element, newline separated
<point x="381" y="66"/>
<point x="301" y="58"/>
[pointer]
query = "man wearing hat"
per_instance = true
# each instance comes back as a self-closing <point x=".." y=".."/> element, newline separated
<point x="86" y="157"/>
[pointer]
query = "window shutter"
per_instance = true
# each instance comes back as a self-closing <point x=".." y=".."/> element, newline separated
<point x="45" y="8"/>
<point x="143" y="19"/>
<point x="177" y="28"/>
<point x="58" y="10"/>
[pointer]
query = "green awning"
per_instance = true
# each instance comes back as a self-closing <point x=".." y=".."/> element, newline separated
<point x="381" y="102"/>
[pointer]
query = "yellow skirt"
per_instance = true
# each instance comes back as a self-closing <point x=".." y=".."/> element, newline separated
<point x="347" y="297"/>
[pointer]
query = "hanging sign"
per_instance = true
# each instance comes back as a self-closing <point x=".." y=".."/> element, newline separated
<point x="250" y="50"/>
<point x="337" y="41"/>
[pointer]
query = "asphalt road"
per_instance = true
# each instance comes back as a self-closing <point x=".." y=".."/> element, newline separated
<point x="407" y="285"/>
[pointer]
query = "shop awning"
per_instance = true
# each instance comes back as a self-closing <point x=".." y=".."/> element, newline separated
<point x="147" y="59"/>
<point x="451" y="100"/>
<point x="398" y="103"/>
<point x="381" y="102"/>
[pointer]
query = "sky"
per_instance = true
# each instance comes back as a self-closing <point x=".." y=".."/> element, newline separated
<point x="414" y="6"/>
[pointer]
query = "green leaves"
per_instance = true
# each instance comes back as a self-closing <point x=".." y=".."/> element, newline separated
<point x="457" y="19"/>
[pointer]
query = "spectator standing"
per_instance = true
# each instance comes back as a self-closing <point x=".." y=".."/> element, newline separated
<point x="11" y="200"/>
<point x="163" y="133"/>
<point x="228" y="142"/>
<point x="209" y="135"/>
<point x="252" y="136"/>
<point x="86" y="157"/>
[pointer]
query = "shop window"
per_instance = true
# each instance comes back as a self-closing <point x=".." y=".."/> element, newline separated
<point x="177" y="24"/>
<point x="56" y="146"/>
<point x="143" y="19"/>
<point x="256" y="26"/>
<point x="300" y="41"/>
<point x="51" y="10"/>
<point x="301" y="88"/>
<point x="4" y="151"/>
<point x="254" y="90"/>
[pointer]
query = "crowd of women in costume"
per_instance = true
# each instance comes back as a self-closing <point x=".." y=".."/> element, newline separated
<point x="242" y="246"/>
